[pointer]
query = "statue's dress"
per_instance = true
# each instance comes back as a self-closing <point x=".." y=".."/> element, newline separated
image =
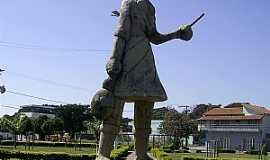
<point x="139" y="80"/>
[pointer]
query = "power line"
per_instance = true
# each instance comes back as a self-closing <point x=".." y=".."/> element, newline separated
<point x="47" y="81"/>
<point x="60" y="49"/>
<point x="6" y="106"/>
<point x="35" y="97"/>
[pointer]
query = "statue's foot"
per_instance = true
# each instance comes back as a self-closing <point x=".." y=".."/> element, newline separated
<point x="102" y="158"/>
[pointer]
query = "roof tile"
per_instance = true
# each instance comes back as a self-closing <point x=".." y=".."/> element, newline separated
<point x="250" y="117"/>
<point x="225" y="111"/>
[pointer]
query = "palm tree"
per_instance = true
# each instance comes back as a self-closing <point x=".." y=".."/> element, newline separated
<point x="13" y="126"/>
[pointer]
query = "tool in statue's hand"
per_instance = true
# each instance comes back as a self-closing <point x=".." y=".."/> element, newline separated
<point x="185" y="32"/>
<point x="189" y="26"/>
<point x="196" y="21"/>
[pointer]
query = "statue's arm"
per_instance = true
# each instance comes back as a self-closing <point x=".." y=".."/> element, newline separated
<point x="114" y="65"/>
<point x="184" y="33"/>
<point x="118" y="48"/>
<point x="157" y="38"/>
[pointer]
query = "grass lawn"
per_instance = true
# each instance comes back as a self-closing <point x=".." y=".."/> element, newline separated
<point x="179" y="156"/>
<point x="53" y="149"/>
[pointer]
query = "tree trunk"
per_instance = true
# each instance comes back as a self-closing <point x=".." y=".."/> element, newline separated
<point x="186" y="143"/>
<point x="15" y="139"/>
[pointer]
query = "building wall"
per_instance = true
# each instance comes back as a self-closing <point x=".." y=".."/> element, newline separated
<point x="235" y="140"/>
<point x="6" y="135"/>
<point x="266" y="126"/>
<point x="154" y="126"/>
<point x="35" y="115"/>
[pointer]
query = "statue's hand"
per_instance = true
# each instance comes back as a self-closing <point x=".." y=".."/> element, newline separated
<point x="115" y="13"/>
<point x="113" y="68"/>
<point x="185" y="32"/>
<point x="109" y="84"/>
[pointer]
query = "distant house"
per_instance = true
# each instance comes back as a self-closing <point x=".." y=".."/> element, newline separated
<point x="238" y="126"/>
<point x="37" y="110"/>
<point x="155" y="124"/>
<point x="4" y="134"/>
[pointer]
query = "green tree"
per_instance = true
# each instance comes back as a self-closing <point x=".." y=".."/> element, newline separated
<point x="200" y="109"/>
<point x="13" y="125"/>
<point x="26" y="125"/>
<point x="52" y="126"/>
<point x="73" y="117"/>
<point x="178" y="125"/>
<point x="47" y="127"/>
<point x="94" y="127"/>
<point x="159" y="113"/>
<point x="57" y="125"/>
<point x="37" y="124"/>
<point x="25" y="128"/>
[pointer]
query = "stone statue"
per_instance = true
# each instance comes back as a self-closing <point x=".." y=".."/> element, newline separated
<point x="132" y="75"/>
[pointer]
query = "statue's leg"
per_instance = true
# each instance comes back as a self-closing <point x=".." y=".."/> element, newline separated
<point x="109" y="131"/>
<point x="143" y="116"/>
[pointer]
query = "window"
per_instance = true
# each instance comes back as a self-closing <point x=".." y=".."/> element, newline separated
<point x="252" y="143"/>
<point x="244" y="144"/>
<point x="226" y="143"/>
<point x="267" y="136"/>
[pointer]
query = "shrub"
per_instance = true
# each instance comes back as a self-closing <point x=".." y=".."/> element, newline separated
<point x="120" y="152"/>
<point x="198" y="151"/>
<point x="226" y="151"/>
<point x="253" y="152"/>
<point x="29" y="155"/>
<point x="4" y="154"/>
<point x="49" y="144"/>
<point x="168" y="148"/>
<point x="160" y="154"/>
<point x="197" y="158"/>
<point x="181" y="151"/>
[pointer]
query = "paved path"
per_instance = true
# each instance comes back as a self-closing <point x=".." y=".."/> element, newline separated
<point x="132" y="156"/>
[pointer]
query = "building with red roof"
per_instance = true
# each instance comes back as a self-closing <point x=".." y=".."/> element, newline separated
<point x="238" y="126"/>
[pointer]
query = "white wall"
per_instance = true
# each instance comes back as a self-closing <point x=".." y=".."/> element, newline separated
<point x="34" y="115"/>
<point x="266" y="125"/>
<point x="6" y="135"/>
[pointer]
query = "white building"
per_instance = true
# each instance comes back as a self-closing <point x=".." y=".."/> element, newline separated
<point x="37" y="110"/>
<point x="5" y="135"/>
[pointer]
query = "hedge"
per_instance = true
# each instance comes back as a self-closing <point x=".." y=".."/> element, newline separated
<point x="160" y="154"/>
<point x="120" y="152"/>
<point x="196" y="158"/>
<point x="22" y="155"/>
<point x="253" y="152"/>
<point x="47" y="144"/>
<point x="30" y="155"/>
<point x="226" y="151"/>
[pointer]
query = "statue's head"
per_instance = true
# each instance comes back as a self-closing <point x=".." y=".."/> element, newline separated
<point x="102" y="104"/>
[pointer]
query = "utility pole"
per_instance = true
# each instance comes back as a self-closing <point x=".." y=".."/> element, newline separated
<point x="2" y="87"/>
<point x="186" y="108"/>
<point x="186" y="112"/>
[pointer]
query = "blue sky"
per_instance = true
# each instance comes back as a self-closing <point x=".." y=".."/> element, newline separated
<point x="227" y="60"/>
